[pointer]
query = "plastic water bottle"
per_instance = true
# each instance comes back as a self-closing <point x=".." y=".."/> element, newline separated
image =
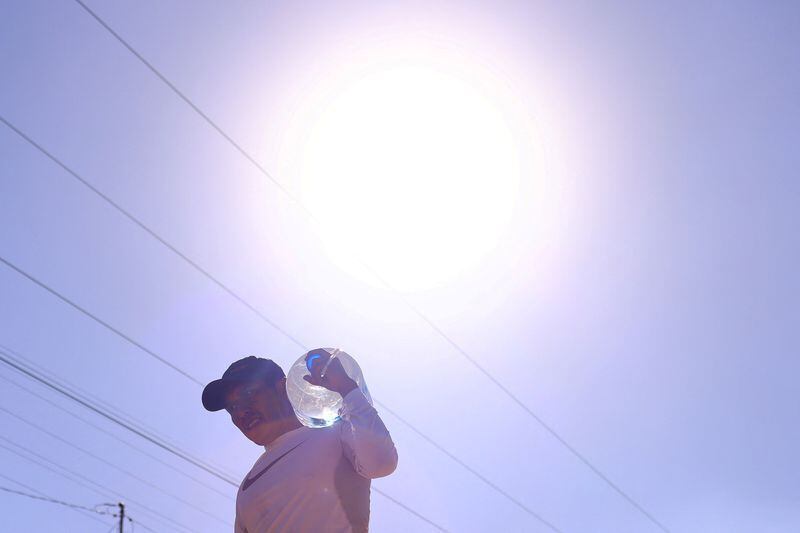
<point x="316" y="406"/>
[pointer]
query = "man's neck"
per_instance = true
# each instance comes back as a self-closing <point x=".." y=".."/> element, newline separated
<point x="286" y="425"/>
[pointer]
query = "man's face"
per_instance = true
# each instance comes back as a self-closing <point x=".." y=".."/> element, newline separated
<point x="255" y="409"/>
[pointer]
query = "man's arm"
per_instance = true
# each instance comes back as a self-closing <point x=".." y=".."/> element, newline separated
<point x="365" y="440"/>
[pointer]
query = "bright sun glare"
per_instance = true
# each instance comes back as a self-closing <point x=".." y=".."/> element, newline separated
<point x="416" y="171"/>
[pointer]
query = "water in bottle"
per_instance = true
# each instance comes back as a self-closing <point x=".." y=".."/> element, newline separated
<point x="314" y="405"/>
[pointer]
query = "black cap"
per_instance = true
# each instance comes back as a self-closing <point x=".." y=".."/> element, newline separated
<point x="250" y="368"/>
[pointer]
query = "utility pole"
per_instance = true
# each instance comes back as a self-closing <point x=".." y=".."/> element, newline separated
<point x="121" y="515"/>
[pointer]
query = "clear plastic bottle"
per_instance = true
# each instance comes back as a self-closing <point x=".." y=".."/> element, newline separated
<point x="316" y="406"/>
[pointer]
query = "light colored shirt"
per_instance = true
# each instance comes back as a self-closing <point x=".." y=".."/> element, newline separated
<point x="318" y="479"/>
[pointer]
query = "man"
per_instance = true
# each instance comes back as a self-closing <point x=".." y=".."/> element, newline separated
<point x="307" y="480"/>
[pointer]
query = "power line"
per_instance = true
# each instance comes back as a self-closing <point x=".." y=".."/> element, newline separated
<point x="474" y="472"/>
<point x="149" y="231"/>
<point x="121" y="515"/>
<point x="44" y="466"/>
<point x="5" y="358"/>
<point x="117" y="438"/>
<point x="272" y="323"/>
<point x="125" y="442"/>
<point x="40" y="493"/>
<point x="112" y="465"/>
<point x="66" y="300"/>
<point x="51" y="500"/>
<point x="71" y="475"/>
<point x="59" y="502"/>
<point x="78" y="508"/>
<point x="416" y="311"/>
<point x="163" y="445"/>
<point x="96" y="400"/>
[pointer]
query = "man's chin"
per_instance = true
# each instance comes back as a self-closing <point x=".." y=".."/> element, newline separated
<point x="258" y="440"/>
<point x="261" y="434"/>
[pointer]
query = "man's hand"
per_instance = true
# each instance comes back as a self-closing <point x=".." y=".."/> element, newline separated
<point x="334" y="379"/>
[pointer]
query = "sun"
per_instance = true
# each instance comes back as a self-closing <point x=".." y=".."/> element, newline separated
<point x="413" y="171"/>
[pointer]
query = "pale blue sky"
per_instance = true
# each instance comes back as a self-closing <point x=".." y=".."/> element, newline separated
<point x="654" y="326"/>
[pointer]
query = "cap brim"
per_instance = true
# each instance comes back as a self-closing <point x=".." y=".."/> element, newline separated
<point x="215" y="392"/>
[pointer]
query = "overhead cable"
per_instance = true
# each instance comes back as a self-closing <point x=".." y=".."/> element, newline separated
<point x="117" y="438"/>
<point x="261" y="315"/>
<point x="411" y="306"/>
<point x="77" y="509"/>
<point x="98" y="488"/>
<point x="103" y="404"/>
<point x="161" y="444"/>
<point x="4" y="357"/>
<point x="113" y="466"/>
